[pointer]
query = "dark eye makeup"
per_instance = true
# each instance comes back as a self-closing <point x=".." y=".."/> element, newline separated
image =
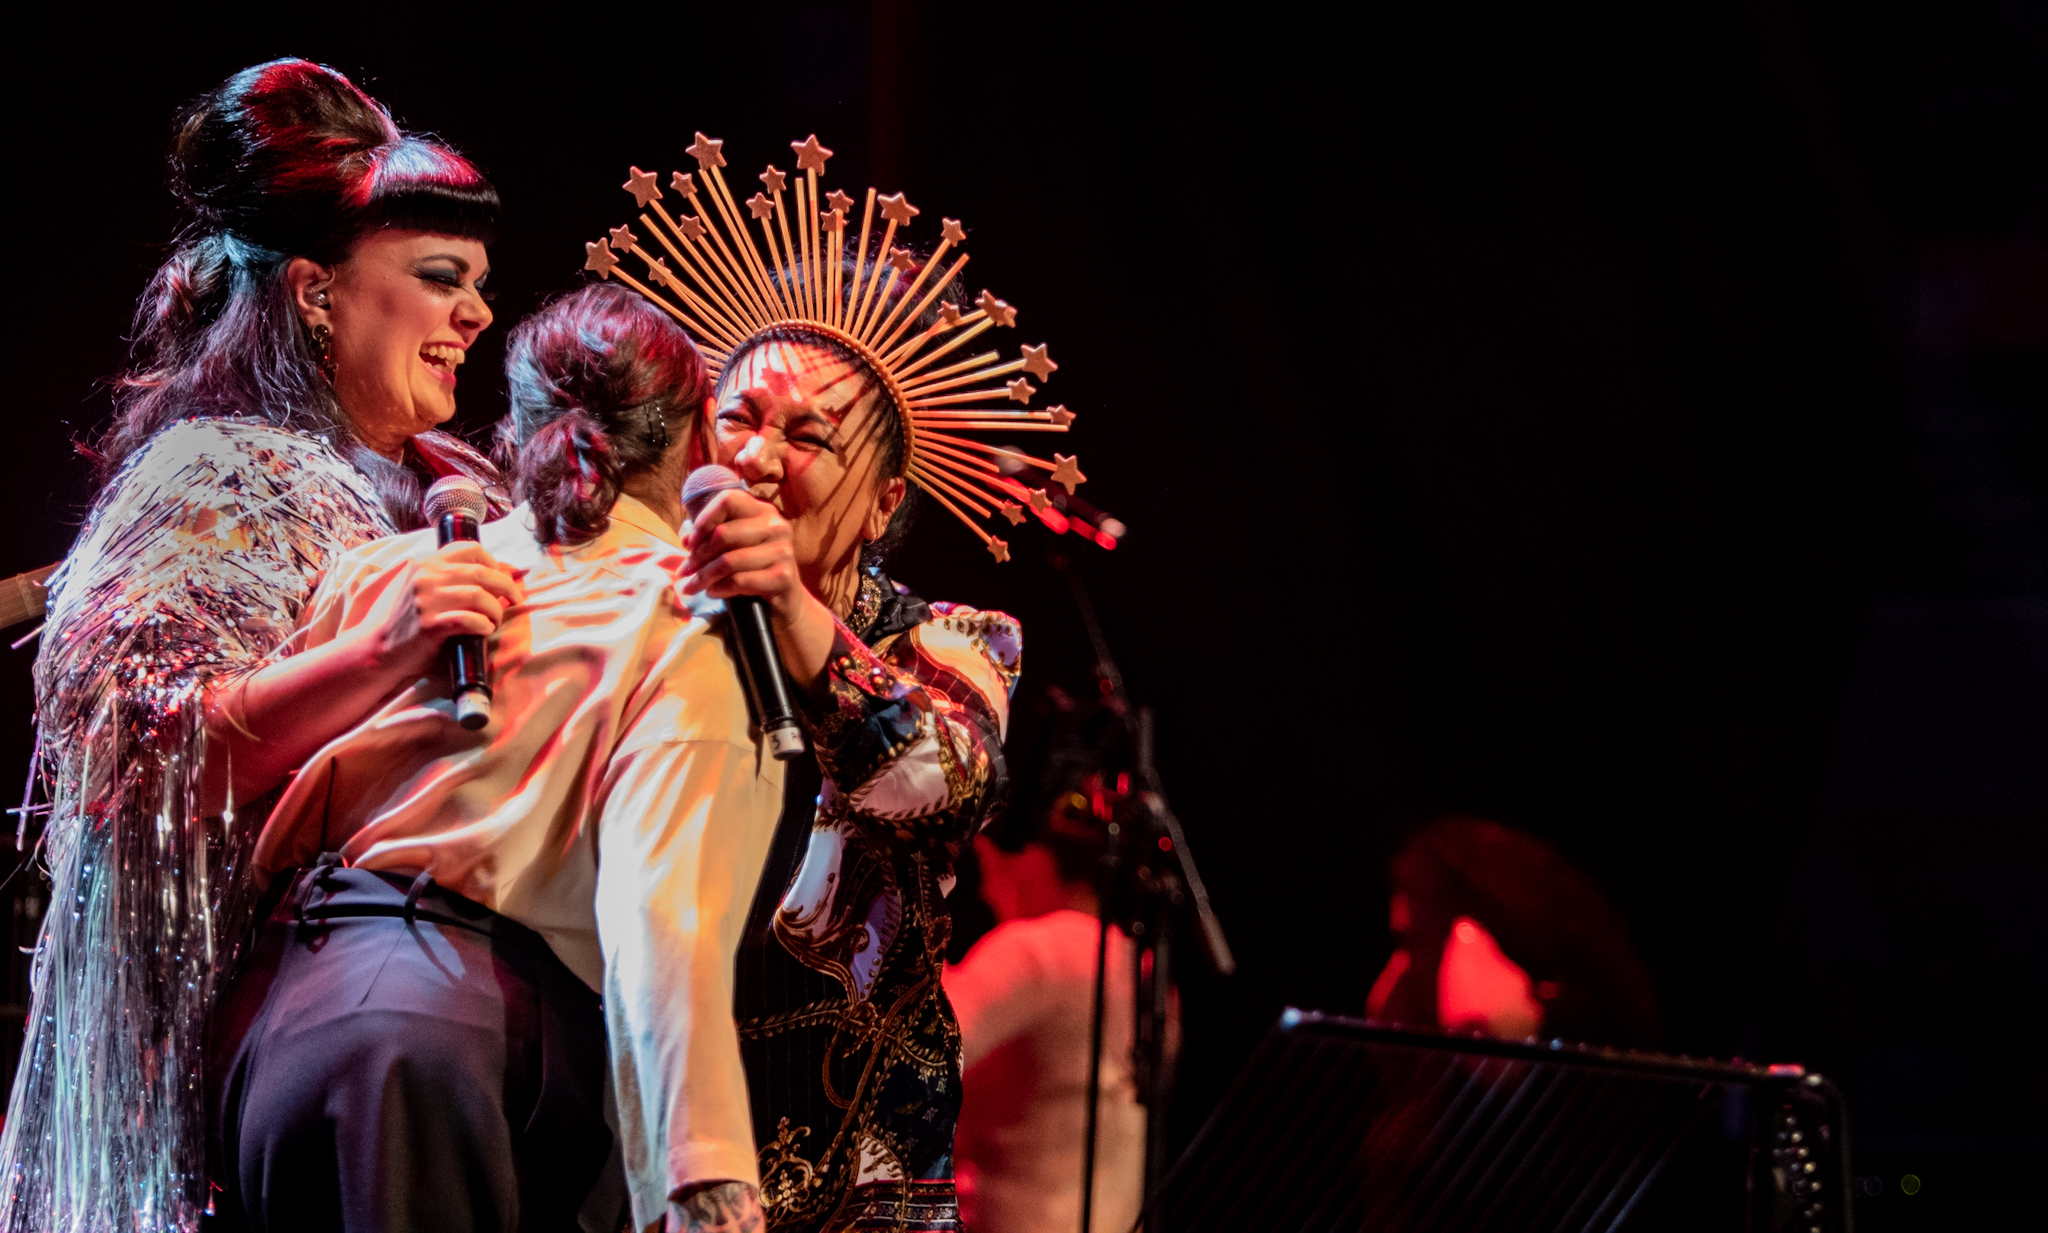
<point x="450" y="277"/>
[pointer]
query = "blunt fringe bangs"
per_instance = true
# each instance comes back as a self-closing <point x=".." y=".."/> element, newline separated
<point x="416" y="185"/>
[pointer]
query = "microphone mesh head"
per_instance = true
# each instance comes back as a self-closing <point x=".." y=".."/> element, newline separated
<point x="455" y="494"/>
<point x="705" y="483"/>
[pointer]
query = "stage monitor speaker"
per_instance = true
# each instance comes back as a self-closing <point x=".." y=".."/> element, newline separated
<point x="1338" y="1124"/>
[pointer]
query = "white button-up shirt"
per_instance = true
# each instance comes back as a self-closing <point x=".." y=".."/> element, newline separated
<point x="617" y="804"/>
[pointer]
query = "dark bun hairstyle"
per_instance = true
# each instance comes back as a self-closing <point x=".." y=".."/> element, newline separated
<point x="602" y="384"/>
<point x="286" y="159"/>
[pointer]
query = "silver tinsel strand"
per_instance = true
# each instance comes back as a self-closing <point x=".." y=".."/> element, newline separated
<point x="193" y="566"/>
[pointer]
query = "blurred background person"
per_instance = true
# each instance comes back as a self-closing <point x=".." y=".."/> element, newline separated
<point x="1024" y="994"/>
<point x="1496" y="933"/>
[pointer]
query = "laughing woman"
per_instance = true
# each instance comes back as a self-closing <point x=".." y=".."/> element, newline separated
<point x="292" y="357"/>
<point x="852" y="1052"/>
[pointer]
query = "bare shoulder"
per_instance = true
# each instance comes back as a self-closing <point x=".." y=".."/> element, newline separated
<point x="1047" y="945"/>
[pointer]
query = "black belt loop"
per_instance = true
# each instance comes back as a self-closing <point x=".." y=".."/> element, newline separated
<point x="328" y="863"/>
<point x="412" y="897"/>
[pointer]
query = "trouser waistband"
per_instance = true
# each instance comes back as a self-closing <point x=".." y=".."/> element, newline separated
<point x="330" y="891"/>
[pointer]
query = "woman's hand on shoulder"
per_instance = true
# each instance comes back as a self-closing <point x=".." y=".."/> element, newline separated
<point x="461" y="589"/>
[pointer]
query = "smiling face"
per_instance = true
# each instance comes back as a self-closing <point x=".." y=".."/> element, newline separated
<point x="404" y="308"/>
<point x="798" y="422"/>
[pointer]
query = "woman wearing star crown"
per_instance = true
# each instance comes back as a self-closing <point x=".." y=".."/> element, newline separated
<point x="842" y="384"/>
<point x="852" y="1051"/>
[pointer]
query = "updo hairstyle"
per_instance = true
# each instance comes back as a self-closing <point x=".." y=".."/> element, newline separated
<point x="286" y="159"/>
<point x="602" y="384"/>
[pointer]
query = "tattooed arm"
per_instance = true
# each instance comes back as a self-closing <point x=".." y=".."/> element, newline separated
<point x="715" y="1207"/>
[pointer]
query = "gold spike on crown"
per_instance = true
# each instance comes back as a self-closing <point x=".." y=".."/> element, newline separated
<point x="728" y="291"/>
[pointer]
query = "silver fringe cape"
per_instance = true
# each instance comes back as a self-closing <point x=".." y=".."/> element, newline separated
<point x="193" y="565"/>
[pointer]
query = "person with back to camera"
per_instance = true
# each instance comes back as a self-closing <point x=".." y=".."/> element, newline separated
<point x="1025" y="996"/>
<point x="291" y="358"/>
<point x="462" y="918"/>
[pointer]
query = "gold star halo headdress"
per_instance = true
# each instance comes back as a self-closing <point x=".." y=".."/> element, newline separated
<point x="728" y="291"/>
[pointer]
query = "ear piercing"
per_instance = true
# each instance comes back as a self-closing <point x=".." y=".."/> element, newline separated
<point x="322" y="344"/>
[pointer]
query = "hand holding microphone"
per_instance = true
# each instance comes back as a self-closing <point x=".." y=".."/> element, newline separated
<point x="459" y="591"/>
<point x="455" y="507"/>
<point x="751" y="568"/>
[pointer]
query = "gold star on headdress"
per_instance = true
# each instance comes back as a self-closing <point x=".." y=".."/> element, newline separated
<point x="730" y="277"/>
<point x="897" y="210"/>
<point x="641" y="185"/>
<point x="706" y="152"/>
<point x="810" y="156"/>
<point x="998" y="311"/>
<point x="1068" y="472"/>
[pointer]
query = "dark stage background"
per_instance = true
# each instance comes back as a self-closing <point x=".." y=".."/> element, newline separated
<point x="1630" y="427"/>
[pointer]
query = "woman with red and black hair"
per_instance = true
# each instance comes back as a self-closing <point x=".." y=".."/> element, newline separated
<point x="469" y="919"/>
<point x="291" y="359"/>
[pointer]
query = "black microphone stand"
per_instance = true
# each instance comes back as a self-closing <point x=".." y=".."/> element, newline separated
<point x="1148" y="878"/>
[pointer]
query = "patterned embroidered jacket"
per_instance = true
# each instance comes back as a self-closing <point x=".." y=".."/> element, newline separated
<point x="193" y="565"/>
<point x="852" y="1052"/>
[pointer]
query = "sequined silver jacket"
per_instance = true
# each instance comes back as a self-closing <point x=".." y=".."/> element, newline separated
<point x="193" y="564"/>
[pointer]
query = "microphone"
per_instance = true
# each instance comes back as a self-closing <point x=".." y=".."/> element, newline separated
<point x="455" y="505"/>
<point x="760" y="659"/>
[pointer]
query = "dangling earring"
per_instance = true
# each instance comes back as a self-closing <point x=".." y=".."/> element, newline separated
<point x="323" y="349"/>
